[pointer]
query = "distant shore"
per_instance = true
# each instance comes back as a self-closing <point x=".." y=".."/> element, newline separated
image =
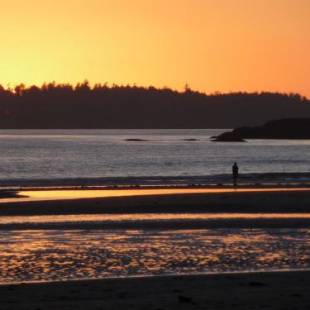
<point x="271" y="290"/>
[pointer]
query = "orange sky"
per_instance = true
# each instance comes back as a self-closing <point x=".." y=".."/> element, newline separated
<point x="213" y="45"/>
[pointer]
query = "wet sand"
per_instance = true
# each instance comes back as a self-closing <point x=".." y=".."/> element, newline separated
<point x="281" y="200"/>
<point x="278" y="290"/>
<point x="164" y="201"/>
<point x="88" y="193"/>
<point x="282" y="290"/>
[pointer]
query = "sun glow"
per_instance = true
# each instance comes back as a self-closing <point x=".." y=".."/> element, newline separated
<point x="212" y="45"/>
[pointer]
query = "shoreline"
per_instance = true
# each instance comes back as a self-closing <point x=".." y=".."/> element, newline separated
<point x="256" y="290"/>
<point x="44" y="194"/>
<point x="225" y="179"/>
<point x="133" y="201"/>
<point x="32" y="194"/>
<point x="161" y="276"/>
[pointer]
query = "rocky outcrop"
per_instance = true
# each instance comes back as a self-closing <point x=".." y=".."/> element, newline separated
<point x="278" y="129"/>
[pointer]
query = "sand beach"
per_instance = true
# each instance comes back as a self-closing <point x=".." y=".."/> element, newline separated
<point x="275" y="290"/>
<point x="202" y="201"/>
<point x="269" y="290"/>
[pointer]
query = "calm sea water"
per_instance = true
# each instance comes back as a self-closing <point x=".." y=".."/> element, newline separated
<point x="95" y="154"/>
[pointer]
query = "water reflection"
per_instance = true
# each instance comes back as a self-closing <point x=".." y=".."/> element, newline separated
<point x="144" y="217"/>
<point x="63" y="255"/>
<point x="43" y="195"/>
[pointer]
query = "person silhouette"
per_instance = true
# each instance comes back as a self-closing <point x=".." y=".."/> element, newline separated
<point x="235" y="173"/>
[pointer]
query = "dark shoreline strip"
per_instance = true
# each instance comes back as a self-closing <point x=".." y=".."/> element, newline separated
<point x="298" y="223"/>
<point x="272" y="178"/>
<point x="275" y="290"/>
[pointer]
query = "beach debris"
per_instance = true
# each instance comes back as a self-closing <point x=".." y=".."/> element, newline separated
<point x="185" y="299"/>
<point x="135" y="140"/>
<point x="254" y="283"/>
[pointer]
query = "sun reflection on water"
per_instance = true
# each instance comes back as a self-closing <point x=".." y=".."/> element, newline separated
<point x="105" y="218"/>
<point x="44" y="195"/>
<point x="63" y="255"/>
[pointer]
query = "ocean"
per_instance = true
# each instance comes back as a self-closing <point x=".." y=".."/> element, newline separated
<point x="88" y="157"/>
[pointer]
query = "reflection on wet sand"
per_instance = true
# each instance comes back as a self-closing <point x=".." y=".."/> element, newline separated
<point x="96" y="218"/>
<point x="42" y="195"/>
<point x="63" y="255"/>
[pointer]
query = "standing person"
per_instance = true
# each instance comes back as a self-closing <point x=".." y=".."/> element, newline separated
<point x="235" y="173"/>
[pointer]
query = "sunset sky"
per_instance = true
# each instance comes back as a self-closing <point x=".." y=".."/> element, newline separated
<point x="213" y="45"/>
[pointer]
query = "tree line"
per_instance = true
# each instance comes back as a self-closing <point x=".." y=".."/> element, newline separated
<point x="66" y="106"/>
